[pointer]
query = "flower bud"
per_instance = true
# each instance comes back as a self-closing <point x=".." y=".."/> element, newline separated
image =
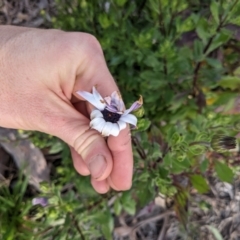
<point x="223" y="143"/>
<point x="139" y="112"/>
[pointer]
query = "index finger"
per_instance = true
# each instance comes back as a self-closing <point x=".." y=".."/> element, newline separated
<point x="122" y="171"/>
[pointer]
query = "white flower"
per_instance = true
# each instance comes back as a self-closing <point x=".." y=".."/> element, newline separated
<point x="109" y="116"/>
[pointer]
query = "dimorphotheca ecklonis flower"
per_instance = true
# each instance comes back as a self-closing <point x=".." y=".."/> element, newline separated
<point x="109" y="116"/>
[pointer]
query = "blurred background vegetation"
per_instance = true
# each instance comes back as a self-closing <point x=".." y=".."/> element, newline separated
<point x="182" y="56"/>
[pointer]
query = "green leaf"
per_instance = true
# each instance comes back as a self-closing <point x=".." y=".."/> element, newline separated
<point x="237" y="72"/>
<point x="130" y="207"/>
<point x="145" y="192"/>
<point x="155" y="151"/>
<point x="117" y="207"/>
<point x="149" y="75"/>
<point x="176" y="163"/>
<point x="235" y="20"/>
<point x="56" y="147"/>
<point x="198" y="50"/>
<point x="215" y="232"/>
<point x="204" y="166"/>
<point x="199" y="183"/>
<point x="105" y="220"/>
<point x="154" y="6"/>
<point x="214" y="63"/>
<point x="152" y="61"/>
<point x="121" y="3"/>
<point x="214" y="8"/>
<point x="219" y="40"/>
<point x="107" y="229"/>
<point x="104" y="20"/>
<point x="6" y="201"/>
<point x="203" y="29"/>
<point x="231" y="82"/>
<point x="144" y="177"/>
<point x="128" y="203"/>
<point x="224" y="173"/>
<point x="185" y="25"/>
<point x="116" y="60"/>
<point x="164" y="173"/>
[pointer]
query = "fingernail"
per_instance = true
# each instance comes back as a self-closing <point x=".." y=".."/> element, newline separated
<point x="97" y="166"/>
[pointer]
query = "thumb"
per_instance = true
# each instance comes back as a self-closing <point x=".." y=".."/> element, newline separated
<point x="65" y="122"/>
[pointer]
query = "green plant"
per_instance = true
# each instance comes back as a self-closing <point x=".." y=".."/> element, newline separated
<point x="14" y="209"/>
<point x="183" y="82"/>
<point x="183" y="57"/>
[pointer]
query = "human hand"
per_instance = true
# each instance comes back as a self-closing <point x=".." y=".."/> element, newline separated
<point x="40" y="71"/>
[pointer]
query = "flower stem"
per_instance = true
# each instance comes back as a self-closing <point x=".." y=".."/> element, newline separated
<point x="206" y="144"/>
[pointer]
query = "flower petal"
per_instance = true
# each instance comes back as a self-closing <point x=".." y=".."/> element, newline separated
<point x="108" y="100"/>
<point x="107" y="129"/>
<point x="95" y="114"/>
<point x="97" y="96"/>
<point x="121" y="106"/>
<point x="43" y="201"/>
<point x="98" y="124"/>
<point x="112" y="109"/>
<point x="134" y="106"/>
<point x="129" y="118"/>
<point x="115" y="130"/>
<point x="115" y="96"/>
<point x="92" y="99"/>
<point x="117" y="101"/>
<point x="121" y="125"/>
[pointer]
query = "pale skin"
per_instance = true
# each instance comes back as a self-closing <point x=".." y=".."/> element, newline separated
<point x="40" y="72"/>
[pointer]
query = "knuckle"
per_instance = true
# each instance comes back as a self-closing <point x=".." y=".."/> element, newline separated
<point x="76" y="133"/>
<point x="86" y="138"/>
<point x="81" y="46"/>
<point x="83" y="43"/>
<point x="92" y="43"/>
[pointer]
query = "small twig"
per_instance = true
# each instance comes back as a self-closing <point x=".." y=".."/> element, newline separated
<point x="154" y="219"/>
<point x="140" y="150"/>
<point x="67" y="187"/>
<point x="113" y="199"/>
<point x="45" y="231"/>
<point x="161" y="235"/>
<point x="99" y="202"/>
<point x="206" y="144"/>
<point x="165" y="70"/>
<point x="141" y="235"/>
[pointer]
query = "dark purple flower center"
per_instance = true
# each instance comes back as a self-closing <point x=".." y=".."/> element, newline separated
<point x="110" y="116"/>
